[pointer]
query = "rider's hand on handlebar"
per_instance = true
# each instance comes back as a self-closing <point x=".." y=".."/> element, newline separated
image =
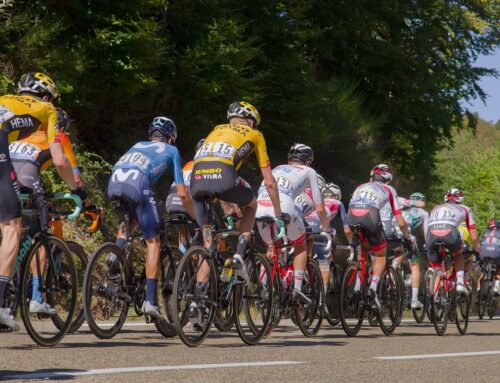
<point x="410" y="239"/>
<point x="80" y="192"/>
<point x="285" y="217"/>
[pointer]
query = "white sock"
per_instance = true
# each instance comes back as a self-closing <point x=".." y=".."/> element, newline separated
<point x="298" y="277"/>
<point x="414" y="294"/>
<point x="374" y="283"/>
<point x="460" y="277"/>
<point x="357" y="285"/>
<point x="497" y="283"/>
<point x="395" y="264"/>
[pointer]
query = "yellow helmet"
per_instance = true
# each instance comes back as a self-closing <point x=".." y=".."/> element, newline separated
<point x="38" y="83"/>
<point x="242" y="109"/>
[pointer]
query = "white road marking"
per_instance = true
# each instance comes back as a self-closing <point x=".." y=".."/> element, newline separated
<point x="107" y="371"/>
<point x="126" y="324"/>
<point x="433" y="356"/>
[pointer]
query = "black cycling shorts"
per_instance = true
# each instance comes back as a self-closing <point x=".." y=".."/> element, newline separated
<point x="371" y="225"/>
<point x="173" y="204"/>
<point x="442" y="233"/>
<point x="10" y="208"/>
<point x="222" y="181"/>
<point x="28" y="176"/>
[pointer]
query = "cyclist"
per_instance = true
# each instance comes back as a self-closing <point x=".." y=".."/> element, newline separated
<point x="133" y="176"/>
<point x="365" y="210"/>
<point x="20" y="116"/>
<point x="215" y="173"/>
<point x="30" y="156"/>
<point x="332" y="195"/>
<point x="443" y="227"/>
<point x="292" y="179"/>
<point x="415" y="216"/>
<point x="490" y="248"/>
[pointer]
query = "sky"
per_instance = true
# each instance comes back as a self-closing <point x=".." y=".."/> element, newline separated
<point x="491" y="86"/>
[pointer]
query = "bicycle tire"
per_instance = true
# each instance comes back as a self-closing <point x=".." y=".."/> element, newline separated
<point x="55" y="287"/>
<point x="351" y="301"/>
<point x="372" y="317"/>
<point x="332" y="297"/>
<point x="492" y="304"/>
<point x="390" y="290"/>
<point x="462" y="308"/>
<point x="277" y="305"/>
<point x="250" y="301"/>
<point x="439" y="303"/>
<point x="419" y="314"/>
<point x="185" y="278"/>
<point x="482" y="298"/>
<point x="80" y="265"/>
<point x="428" y="293"/>
<point x="111" y="290"/>
<point x="168" y="266"/>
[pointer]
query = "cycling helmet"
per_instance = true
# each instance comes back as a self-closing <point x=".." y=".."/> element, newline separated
<point x="454" y="195"/>
<point x="163" y="125"/>
<point x="63" y="120"/>
<point x="383" y="171"/>
<point x="39" y="84"/>
<point x="199" y="144"/>
<point x="242" y="109"/>
<point x="416" y="196"/>
<point x="301" y="152"/>
<point x="321" y="181"/>
<point x="331" y="190"/>
<point x="492" y="224"/>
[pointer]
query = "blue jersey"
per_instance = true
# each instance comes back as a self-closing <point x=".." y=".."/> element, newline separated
<point x="152" y="159"/>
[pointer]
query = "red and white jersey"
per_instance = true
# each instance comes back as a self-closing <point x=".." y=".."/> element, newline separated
<point x="452" y="214"/>
<point x="332" y="207"/>
<point x="292" y="180"/>
<point x="305" y="203"/>
<point x="377" y="195"/>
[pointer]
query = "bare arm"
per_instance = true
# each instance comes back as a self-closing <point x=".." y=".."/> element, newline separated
<point x="272" y="189"/>
<point x="402" y="225"/>
<point x="62" y="165"/>
<point x="348" y="234"/>
<point x="474" y="239"/>
<point x="320" y="209"/>
<point x="185" y="198"/>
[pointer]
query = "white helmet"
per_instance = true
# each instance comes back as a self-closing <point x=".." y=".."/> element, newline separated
<point x="454" y="195"/>
<point x="331" y="189"/>
<point x="383" y="171"/>
<point x="321" y="181"/>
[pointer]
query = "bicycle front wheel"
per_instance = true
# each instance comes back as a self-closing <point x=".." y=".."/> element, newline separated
<point x="390" y="293"/>
<point x="352" y="306"/>
<point x="105" y="298"/>
<point x="462" y="306"/>
<point x="332" y="296"/>
<point x="482" y="297"/>
<point x="194" y="308"/>
<point x="49" y="265"/>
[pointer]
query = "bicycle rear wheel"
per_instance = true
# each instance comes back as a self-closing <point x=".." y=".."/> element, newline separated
<point x="428" y="287"/>
<point x="50" y="261"/>
<point x="419" y="314"/>
<point x="390" y="290"/>
<point x="352" y="305"/>
<point x="170" y="257"/>
<point x="105" y="298"/>
<point x="462" y="306"/>
<point x="252" y="305"/>
<point x="332" y="296"/>
<point x="482" y="294"/>
<point x="439" y="302"/>
<point x="193" y="331"/>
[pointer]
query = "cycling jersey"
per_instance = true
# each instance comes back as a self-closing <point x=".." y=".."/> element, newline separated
<point x="452" y="214"/>
<point x="490" y="245"/>
<point x="152" y="159"/>
<point x="375" y="195"/>
<point x="20" y="116"/>
<point x="414" y="218"/>
<point x="233" y="144"/>
<point x="333" y="207"/>
<point x="305" y="203"/>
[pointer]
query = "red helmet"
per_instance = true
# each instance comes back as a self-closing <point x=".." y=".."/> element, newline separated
<point x="382" y="170"/>
<point x="454" y="195"/>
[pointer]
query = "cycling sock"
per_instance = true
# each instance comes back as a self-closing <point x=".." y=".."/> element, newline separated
<point x="242" y="245"/>
<point x="414" y="294"/>
<point x="4" y="285"/>
<point x="151" y="287"/>
<point x="36" y="294"/>
<point x="460" y="277"/>
<point x="120" y="242"/>
<point x="298" y="277"/>
<point x="357" y="285"/>
<point x="497" y="283"/>
<point x="374" y="282"/>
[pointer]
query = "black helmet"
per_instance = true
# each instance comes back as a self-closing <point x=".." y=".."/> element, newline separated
<point x="163" y="125"/>
<point x="300" y="152"/>
<point x="63" y="120"/>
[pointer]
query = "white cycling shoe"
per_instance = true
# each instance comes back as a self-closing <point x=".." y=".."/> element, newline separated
<point x="462" y="289"/>
<point x="152" y="310"/>
<point x="8" y="320"/>
<point x="41" y="308"/>
<point x="417" y="305"/>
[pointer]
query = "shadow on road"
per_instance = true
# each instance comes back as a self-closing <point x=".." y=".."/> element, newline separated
<point x="49" y="373"/>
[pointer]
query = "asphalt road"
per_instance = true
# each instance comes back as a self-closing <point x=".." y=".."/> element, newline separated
<point x="139" y="353"/>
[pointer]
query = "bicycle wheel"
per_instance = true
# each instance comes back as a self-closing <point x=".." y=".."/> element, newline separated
<point x="80" y="260"/>
<point x="277" y="305"/>
<point x="439" y="302"/>
<point x="462" y="306"/>
<point x="50" y="260"/>
<point x="372" y="317"/>
<point x="252" y="304"/>
<point x="352" y="306"/>
<point x="390" y="290"/>
<point x="428" y="288"/>
<point x="492" y="304"/>
<point x="419" y="314"/>
<point x="332" y="296"/>
<point x="169" y="259"/>
<point x="193" y="331"/>
<point x="482" y="302"/>
<point x="105" y="297"/>
<point x="224" y="315"/>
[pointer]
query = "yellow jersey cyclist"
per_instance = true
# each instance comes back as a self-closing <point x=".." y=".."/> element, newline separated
<point x="21" y="115"/>
<point x="30" y="156"/>
<point x="215" y="172"/>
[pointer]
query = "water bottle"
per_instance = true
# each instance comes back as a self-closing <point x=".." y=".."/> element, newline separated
<point x="227" y="272"/>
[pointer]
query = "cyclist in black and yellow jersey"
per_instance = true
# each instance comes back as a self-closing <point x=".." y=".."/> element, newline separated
<point x="20" y="116"/>
<point x="215" y="172"/>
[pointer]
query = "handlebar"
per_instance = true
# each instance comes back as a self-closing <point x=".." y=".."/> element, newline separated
<point x="69" y="196"/>
<point x="282" y="228"/>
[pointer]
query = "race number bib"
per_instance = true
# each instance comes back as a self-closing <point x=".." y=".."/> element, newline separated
<point x="20" y="150"/>
<point x="216" y="150"/>
<point x="135" y="159"/>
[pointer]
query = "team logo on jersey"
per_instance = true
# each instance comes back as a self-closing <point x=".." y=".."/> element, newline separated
<point x="122" y="175"/>
<point x="208" y="174"/>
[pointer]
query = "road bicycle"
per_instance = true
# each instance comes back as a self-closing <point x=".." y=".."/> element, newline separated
<point x="247" y="301"/>
<point x="486" y="300"/>
<point x="115" y="280"/>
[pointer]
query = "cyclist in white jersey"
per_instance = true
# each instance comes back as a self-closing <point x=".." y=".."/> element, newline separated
<point x="364" y="210"/>
<point x="443" y="227"/>
<point x="292" y="180"/>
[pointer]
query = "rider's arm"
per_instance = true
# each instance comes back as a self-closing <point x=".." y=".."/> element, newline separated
<point x="425" y="223"/>
<point x="318" y="200"/>
<point x="407" y="203"/>
<point x="394" y="202"/>
<point x="471" y="225"/>
<point x="62" y="165"/>
<point x="343" y="219"/>
<point x="272" y="188"/>
<point x="70" y="155"/>
<point x="474" y="238"/>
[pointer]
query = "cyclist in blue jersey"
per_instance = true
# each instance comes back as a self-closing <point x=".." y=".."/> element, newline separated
<point x="133" y="176"/>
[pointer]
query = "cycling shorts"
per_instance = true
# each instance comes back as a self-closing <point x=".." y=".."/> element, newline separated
<point x="173" y="204"/>
<point x="490" y="251"/>
<point x="28" y="176"/>
<point x="134" y="186"/>
<point x="10" y="208"/>
<point x="313" y="226"/>
<point x="448" y="234"/>
<point x="220" y="180"/>
<point x="295" y="230"/>
<point x="371" y="226"/>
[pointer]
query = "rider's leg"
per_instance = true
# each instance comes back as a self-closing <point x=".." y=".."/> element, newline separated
<point x="11" y="234"/>
<point x="459" y="266"/>
<point x="246" y="225"/>
<point x="152" y="266"/>
<point x="299" y="264"/>
<point x="378" y="266"/>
